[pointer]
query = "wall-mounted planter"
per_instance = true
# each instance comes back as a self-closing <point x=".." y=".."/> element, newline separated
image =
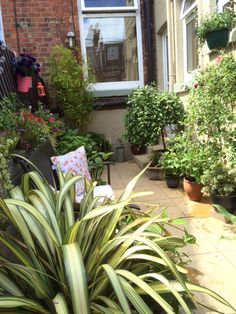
<point x="217" y="39"/>
<point x="23" y="83"/>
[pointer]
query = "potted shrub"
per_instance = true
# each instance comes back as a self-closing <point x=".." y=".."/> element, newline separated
<point x="171" y="163"/>
<point x="220" y="182"/>
<point x="214" y="29"/>
<point x="149" y="111"/>
<point x="25" y="67"/>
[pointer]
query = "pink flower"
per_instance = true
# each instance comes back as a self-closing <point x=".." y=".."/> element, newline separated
<point x="51" y="120"/>
<point x="195" y="85"/>
<point x="218" y="59"/>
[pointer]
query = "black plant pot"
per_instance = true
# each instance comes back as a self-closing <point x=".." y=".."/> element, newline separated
<point x="217" y="39"/>
<point x="228" y="202"/>
<point x="172" y="181"/>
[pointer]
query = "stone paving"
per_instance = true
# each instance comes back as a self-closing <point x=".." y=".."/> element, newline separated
<point x="213" y="260"/>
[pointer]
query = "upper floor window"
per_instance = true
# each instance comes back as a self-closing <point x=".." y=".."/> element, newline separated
<point x="111" y="42"/>
<point x="224" y="5"/>
<point x="1" y="27"/>
<point x="189" y="17"/>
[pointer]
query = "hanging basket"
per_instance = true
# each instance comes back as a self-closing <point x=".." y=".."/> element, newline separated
<point x="217" y="39"/>
<point x="23" y="83"/>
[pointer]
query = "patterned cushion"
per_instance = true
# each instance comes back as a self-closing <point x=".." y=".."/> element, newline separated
<point x="76" y="162"/>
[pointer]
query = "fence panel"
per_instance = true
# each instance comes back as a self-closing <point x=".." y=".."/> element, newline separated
<point x="8" y="79"/>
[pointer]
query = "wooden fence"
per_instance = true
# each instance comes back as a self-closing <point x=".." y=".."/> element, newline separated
<point x="8" y="80"/>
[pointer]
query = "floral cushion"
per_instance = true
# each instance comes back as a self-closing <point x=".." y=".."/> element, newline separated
<point x="76" y="162"/>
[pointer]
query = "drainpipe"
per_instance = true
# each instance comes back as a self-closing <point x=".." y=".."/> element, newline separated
<point x="171" y="43"/>
<point x="148" y="15"/>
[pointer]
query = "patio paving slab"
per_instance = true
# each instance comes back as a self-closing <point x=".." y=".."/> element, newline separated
<point x="213" y="260"/>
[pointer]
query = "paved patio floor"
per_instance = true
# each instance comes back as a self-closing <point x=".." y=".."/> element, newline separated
<point x="213" y="260"/>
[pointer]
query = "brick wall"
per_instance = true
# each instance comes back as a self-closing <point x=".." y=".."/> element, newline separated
<point x="35" y="26"/>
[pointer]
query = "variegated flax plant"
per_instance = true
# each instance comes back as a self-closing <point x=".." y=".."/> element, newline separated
<point x="100" y="258"/>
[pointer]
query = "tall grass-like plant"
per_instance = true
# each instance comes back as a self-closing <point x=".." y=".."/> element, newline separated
<point x="63" y="261"/>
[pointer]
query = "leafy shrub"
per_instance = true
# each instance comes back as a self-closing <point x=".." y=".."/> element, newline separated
<point x="149" y="111"/>
<point x="71" y="86"/>
<point x="91" y="261"/>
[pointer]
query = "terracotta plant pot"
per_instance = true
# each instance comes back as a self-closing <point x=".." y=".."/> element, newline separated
<point x="193" y="190"/>
<point x="23" y="83"/>
<point x="138" y="150"/>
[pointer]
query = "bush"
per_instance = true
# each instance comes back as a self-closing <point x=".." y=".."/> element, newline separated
<point x="149" y="111"/>
<point x="71" y="86"/>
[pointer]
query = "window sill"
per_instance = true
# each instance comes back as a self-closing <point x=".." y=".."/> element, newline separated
<point x="114" y="88"/>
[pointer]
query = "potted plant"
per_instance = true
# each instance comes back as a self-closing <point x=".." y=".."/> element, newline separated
<point x="171" y="163"/>
<point x="149" y="111"/>
<point x="214" y="29"/>
<point x="220" y="182"/>
<point x="25" y="67"/>
<point x="155" y="170"/>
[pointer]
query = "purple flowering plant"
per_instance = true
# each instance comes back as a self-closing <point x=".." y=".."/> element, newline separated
<point x="25" y="65"/>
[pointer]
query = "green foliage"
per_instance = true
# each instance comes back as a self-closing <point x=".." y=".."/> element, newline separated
<point x="71" y="86"/>
<point x="96" y="165"/>
<point x="7" y="145"/>
<point x="171" y="160"/>
<point x="220" y="179"/>
<point x="69" y="140"/>
<point x="215" y="21"/>
<point x="211" y="117"/>
<point x="91" y="261"/>
<point x="149" y="111"/>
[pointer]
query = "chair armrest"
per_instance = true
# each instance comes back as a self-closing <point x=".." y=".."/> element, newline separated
<point x="107" y="163"/>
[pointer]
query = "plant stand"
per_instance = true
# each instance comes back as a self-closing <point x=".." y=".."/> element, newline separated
<point x="155" y="173"/>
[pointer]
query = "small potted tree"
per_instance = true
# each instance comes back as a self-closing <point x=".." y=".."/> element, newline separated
<point x="214" y="28"/>
<point x="149" y="111"/>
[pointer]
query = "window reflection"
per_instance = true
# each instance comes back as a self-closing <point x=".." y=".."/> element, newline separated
<point x="111" y="46"/>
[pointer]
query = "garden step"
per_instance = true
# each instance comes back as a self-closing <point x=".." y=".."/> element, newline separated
<point x="142" y="160"/>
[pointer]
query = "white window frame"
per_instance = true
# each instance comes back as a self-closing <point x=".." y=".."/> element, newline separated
<point x="221" y="4"/>
<point x="186" y="17"/>
<point x="2" y="38"/>
<point x="165" y="60"/>
<point x="121" y="87"/>
<point x="110" y="9"/>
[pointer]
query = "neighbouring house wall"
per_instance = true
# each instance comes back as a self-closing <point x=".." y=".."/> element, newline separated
<point x="111" y="124"/>
<point x="169" y="13"/>
<point x="160" y="26"/>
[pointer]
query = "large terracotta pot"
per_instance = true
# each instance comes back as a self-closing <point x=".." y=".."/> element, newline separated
<point x="193" y="190"/>
<point x="23" y="83"/>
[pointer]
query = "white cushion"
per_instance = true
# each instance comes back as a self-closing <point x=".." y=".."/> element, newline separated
<point x="76" y="162"/>
<point x="101" y="190"/>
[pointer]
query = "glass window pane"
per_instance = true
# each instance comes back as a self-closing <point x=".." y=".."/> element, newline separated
<point x="111" y="47"/>
<point x="192" y="45"/>
<point x="108" y="3"/>
<point x="188" y="4"/>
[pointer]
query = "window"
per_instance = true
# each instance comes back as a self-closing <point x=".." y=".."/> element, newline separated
<point x="111" y="42"/>
<point x="165" y="60"/>
<point x="189" y="17"/>
<point x="1" y="27"/>
<point x="224" y="5"/>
